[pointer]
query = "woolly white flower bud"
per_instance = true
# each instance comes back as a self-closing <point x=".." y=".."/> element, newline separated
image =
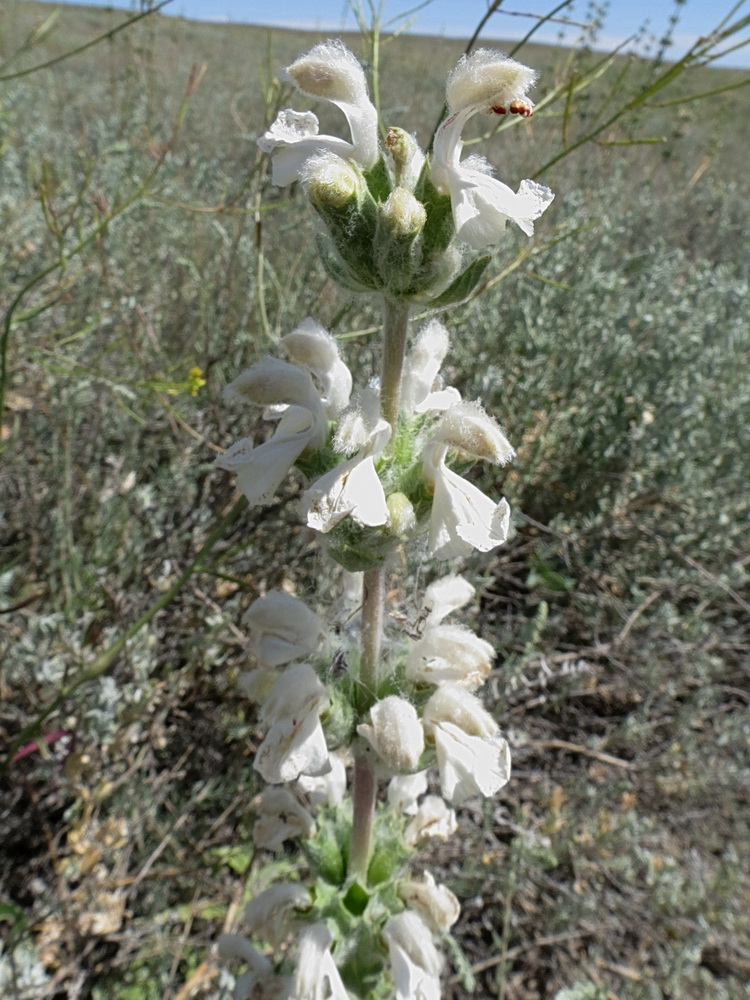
<point x="280" y="817"/>
<point x="330" y="182"/>
<point x="271" y="914"/>
<point x="282" y="629"/>
<point x="471" y="431"/>
<point x="401" y="517"/>
<point x="435" y="904"/>
<point x="407" y="157"/>
<point x="403" y="214"/>
<point x="396" y="733"/>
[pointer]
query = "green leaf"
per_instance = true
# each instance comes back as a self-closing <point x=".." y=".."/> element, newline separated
<point x="356" y="899"/>
<point x="378" y="181"/>
<point x="463" y="285"/>
<point x="14" y="915"/>
<point x="236" y="858"/>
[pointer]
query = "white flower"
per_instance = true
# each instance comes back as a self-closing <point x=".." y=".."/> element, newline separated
<point x="282" y="628"/>
<point x="280" y="817"/>
<point x="302" y="426"/>
<point x="404" y="790"/>
<point x="396" y="733"/>
<point x="317" y="977"/>
<point x="329" y="72"/>
<point x="484" y="82"/>
<point x="435" y="904"/>
<point x="472" y="756"/>
<point x="445" y="595"/>
<point x="271" y="914"/>
<point x="259" y="981"/>
<point x="311" y="347"/>
<point x="462" y="517"/>
<point x="327" y="789"/>
<point x="419" y="392"/>
<point x="353" y="487"/>
<point x="297" y="691"/>
<point x="415" y="962"/>
<point x="433" y="819"/>
<point x="295" y="743"/>
<point x="450" y="653"/>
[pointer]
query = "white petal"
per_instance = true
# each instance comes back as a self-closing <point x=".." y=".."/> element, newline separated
<point x="445" y="595"/>
<point x="292" y="747"/>
<point x="280" y="817"/>
<point x="270" y="915"/>
<point x="282" y="628"/>
<point x="327" y="789"/>
<point x="433" y="819"/>
<point x="482" y="205"/>
<point x="435" y="904"/>
<point x="260" y="470"/>
<point x="463" y="518"/>
<point x="297" y="691"/>
<point x="470" y="764"/>
<point x="415" y="962"/>
<point x="351" y="488"/>
<point x="443" y="399"/>
<point x="422" y="365"/>
<point x="404" y="790"/>
<point x="317" y="977"/>
<point x="292" y="140"/>
<point x="450" y="653"/>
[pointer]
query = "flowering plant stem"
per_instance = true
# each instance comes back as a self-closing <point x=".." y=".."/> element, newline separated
<point x="395" y="327"/>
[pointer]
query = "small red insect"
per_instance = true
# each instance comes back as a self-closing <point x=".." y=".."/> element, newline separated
<point x="520" y="108"/>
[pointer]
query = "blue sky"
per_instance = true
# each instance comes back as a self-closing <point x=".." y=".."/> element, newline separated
<point x="458" y="18"/>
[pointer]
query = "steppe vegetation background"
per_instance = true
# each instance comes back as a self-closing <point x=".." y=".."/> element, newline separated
<point x="145" y="260"/>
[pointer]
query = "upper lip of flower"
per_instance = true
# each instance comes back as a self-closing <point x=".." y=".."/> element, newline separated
<point x="293" y="137"/>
